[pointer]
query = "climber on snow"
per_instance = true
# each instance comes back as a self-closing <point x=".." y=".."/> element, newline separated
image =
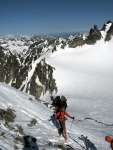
<point x="60" y="115"/>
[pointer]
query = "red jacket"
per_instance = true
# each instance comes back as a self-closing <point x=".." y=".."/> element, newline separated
<point x="61" y="114"/>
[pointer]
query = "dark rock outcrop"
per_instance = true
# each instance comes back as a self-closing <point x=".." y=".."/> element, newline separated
<point x="77" y="41"/>
<point x="32" y="122"/>
<point x="7" y="115"/>
<point x="109" y="32"/>
<point x="94" y="36"/>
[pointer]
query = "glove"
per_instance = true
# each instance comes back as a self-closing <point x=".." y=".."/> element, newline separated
<point x="73" y="118"/>
<point x="55" y="116"/>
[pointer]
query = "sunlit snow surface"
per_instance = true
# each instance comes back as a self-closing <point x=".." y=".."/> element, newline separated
<point x="85" y="76"/>
<point x="26" y="109"/>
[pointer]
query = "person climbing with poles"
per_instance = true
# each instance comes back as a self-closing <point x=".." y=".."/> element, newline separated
<point x="60" y="115"/>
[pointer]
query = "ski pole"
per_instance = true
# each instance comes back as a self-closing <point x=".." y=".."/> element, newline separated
<point x="70" y="126"/>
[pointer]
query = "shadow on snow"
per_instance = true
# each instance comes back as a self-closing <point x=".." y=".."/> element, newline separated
<point x="88" y="144"/>
<point x="55" y="122"/>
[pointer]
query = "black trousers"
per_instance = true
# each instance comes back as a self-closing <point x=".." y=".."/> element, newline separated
<point x="61" y="128"/>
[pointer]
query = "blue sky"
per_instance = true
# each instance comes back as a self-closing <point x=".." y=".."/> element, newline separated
<point x="53" y="16"/>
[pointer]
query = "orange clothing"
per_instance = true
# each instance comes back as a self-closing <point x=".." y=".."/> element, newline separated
<point x="110" y="140"/>
<point x="61" y="114"/>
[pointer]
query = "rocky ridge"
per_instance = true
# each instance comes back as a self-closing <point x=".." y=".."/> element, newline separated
<point x="23" y="64"/>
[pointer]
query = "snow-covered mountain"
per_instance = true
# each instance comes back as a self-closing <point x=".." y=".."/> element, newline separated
<point x="23" y="62"/>
<point x="18" y="44"/>
<point x="80" y="68"/>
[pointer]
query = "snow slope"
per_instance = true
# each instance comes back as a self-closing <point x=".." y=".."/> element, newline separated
<point x="27" y="108"/>
<point x="85" y="76"/>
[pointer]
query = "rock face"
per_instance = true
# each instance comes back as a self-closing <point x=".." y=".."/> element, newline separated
<point x="93" y="36"/>
<point x="27" y="69"/>
<point x="30" y="73"/>
<point x="7" y="115"/>
<point x="109" y="32"/>
<point x="91" y="39"/>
